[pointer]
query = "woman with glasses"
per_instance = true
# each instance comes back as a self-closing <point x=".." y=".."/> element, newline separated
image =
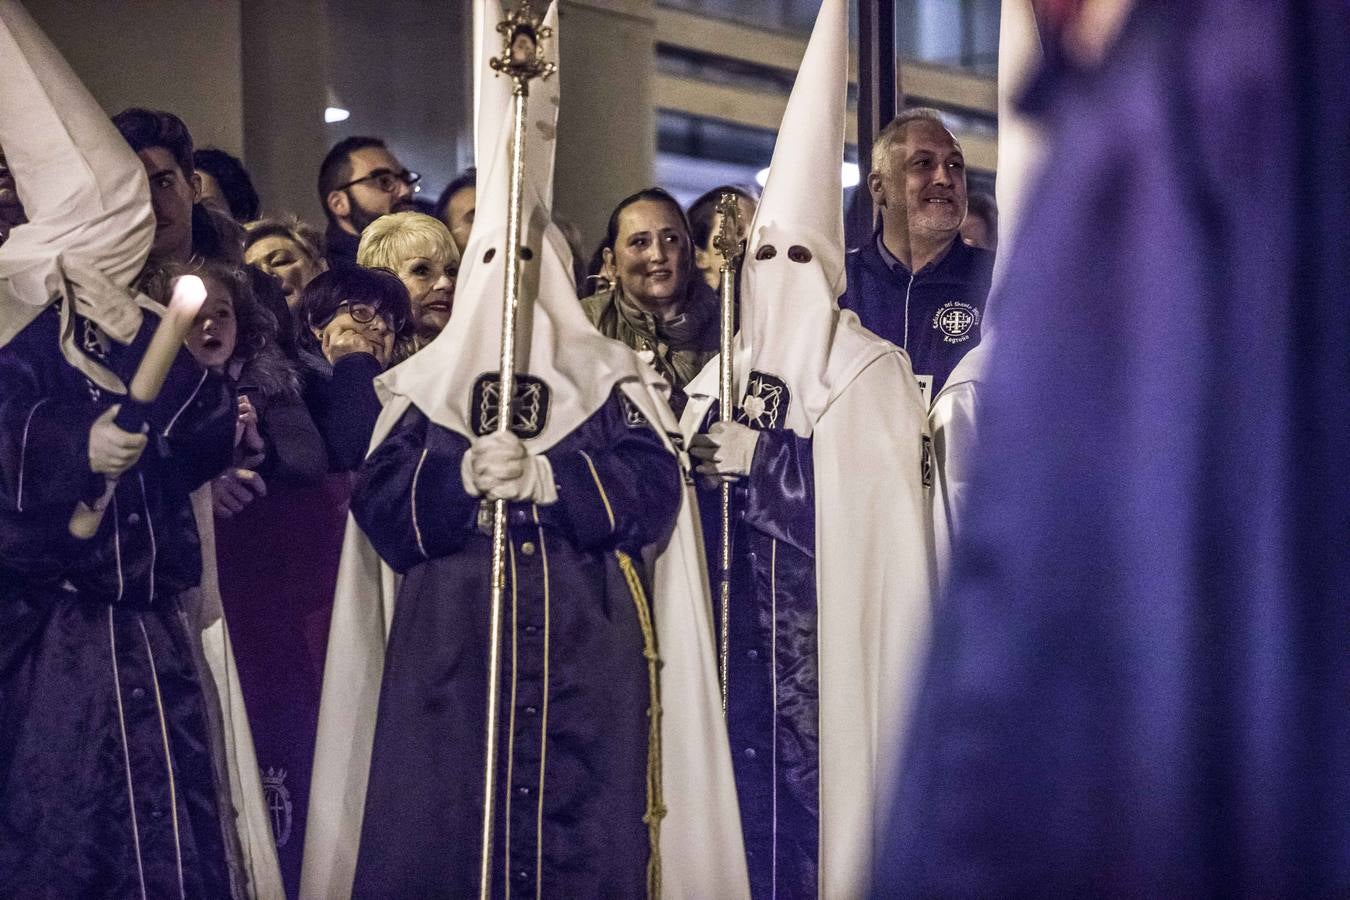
<point x="352" y="320"/>
<point x="421" y="252"/>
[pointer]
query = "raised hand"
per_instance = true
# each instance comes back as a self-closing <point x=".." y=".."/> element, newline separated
<point x="113" y="451"/>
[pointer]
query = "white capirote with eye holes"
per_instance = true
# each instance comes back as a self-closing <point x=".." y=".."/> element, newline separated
<point x="700" y="837"/>
<point x="854" y="395"/>
<point x="791" y="325"/>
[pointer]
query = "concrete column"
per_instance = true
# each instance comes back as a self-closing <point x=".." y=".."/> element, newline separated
<point x="607" y="123"/>
<point x="284" y="51"/>
<point x="178" y="55"/>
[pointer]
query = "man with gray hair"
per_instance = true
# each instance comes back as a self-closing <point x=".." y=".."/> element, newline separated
<point x="917" y="284"/>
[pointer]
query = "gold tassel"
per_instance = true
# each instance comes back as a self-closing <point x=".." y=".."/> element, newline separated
<point x="656" y="809"/>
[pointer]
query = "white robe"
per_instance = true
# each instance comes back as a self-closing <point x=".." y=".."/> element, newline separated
<point x="952" y="423"/>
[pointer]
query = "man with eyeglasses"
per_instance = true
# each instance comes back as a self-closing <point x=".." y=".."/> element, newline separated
<point x="359" y="181"/>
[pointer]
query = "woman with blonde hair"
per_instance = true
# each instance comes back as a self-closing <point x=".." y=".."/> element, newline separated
<point x="420" y="251"/>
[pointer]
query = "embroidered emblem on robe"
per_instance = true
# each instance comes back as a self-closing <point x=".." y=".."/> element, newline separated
<point x="96" y="346"/>
<point x="529" y="409"/>
<point x="278" y="804"/>
<point x="766" y="402"/>
<point x="632" y="415"/>
<point x="95" y="343"/>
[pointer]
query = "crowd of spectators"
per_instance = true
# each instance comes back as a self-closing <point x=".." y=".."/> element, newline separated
<point x="301" y="321"/>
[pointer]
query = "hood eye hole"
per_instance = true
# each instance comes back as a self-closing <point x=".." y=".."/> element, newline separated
<point x="798" y="253"/>
<point x="491" y="252"/>
<point x="768" y="251"/>
<point x="526" y="254"/>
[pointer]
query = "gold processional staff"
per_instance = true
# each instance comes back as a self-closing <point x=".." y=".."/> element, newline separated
<point x="728" y="242"/>
<point x="522" y="60"/>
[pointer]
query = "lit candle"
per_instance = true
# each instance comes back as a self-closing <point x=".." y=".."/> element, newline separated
<point x="189" y="293"/>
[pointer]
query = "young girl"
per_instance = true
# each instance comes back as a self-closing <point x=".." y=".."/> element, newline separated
<point x="263" y="502"/>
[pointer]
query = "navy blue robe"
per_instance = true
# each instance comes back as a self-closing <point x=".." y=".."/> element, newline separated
<point x="1138" y="684"/>
<point x="573" y="764"/>
<point x="773" y="693"/>
<point x="106" y="779"/>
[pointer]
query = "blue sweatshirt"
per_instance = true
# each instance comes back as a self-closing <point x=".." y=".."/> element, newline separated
<point x="935" y="314"/>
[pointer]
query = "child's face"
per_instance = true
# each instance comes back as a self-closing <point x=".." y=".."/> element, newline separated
<point x="212" y="338"/>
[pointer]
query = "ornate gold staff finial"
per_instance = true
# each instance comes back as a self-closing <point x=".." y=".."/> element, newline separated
<point x="728" y="240"/>
<point x="522" y="53"/>
<point x="728" y="243"/>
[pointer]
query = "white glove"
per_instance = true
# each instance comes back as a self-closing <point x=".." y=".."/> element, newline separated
<point x="111" y="450"/>
<point x="726" y="451"/>
<point x="499" y="467"/>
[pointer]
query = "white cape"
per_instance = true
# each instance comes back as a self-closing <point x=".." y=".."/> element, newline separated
<point x="700" y="844"/>
<point x="234" y="739"/>
<point x="855" y="396"/>
<point x="1021" y="151"/>
<point x="700" y="836"/>
<point x="952" y="423"/>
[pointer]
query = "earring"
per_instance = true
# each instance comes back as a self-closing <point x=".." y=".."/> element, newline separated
<point x="601" y="283"/>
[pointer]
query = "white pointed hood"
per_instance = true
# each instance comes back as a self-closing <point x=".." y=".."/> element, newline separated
<point x="491" y="92"/>
<point x="700" y="842"/>
<point x="556" y="345"/>
<point x="804" y="194"/>
<point x="90" y="223"/>
<point x="805" y="365"/>
<point x="796" y="349"/>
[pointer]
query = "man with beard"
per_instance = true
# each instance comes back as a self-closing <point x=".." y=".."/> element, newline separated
<point x="359" y="181"/>
<point x="917" y="284"/>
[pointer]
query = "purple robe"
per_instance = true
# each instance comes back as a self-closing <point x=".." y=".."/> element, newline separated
<point x="773" y="687"/>
<point x="573" y="767"/>
<point x="107" y="785"/>
<point x="1138" y="681"/>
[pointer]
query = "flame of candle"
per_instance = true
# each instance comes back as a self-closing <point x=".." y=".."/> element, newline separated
<point x="189" y="293"/>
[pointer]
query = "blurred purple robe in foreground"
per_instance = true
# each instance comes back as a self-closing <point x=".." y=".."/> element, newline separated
<point x="1140" y="681"/>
